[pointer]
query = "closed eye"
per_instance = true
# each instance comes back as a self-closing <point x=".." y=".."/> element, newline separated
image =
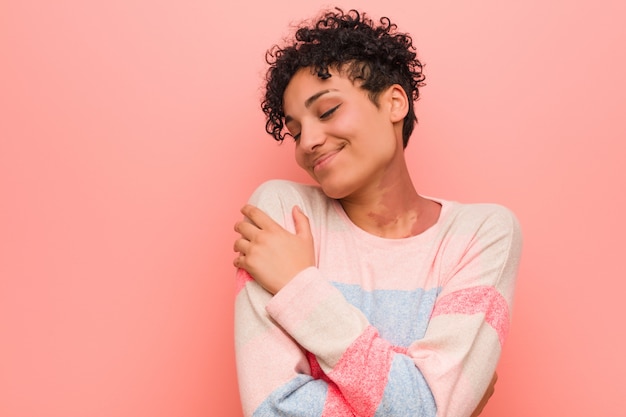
<point x="323" y="116"/>
<point x="329" y="113"/>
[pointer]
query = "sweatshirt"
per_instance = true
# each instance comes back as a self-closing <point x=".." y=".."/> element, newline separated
<point x="378" y="327"/>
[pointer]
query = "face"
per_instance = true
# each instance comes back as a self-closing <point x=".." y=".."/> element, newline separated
<point x="348" y="144"/>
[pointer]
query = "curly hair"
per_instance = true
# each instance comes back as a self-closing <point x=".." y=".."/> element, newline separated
<point x="375" y="54"/>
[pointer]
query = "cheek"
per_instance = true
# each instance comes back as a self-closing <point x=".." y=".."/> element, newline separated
<point x="298" y="154"/>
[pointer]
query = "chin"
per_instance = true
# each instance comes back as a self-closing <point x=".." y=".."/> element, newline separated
<point x="335" y="193"/>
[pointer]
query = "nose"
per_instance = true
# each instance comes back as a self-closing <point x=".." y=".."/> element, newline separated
<point x="311" y="136"/>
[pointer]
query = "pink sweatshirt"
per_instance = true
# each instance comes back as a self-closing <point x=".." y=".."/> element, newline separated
<point x="380" y="327"/>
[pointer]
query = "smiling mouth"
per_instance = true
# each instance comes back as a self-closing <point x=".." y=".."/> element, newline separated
<point x="325" y="159"/>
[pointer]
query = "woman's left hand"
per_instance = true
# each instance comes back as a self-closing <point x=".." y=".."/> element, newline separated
<point x="268" y="252"/>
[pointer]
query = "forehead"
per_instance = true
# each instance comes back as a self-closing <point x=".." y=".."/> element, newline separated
<point x="306" y="84"/>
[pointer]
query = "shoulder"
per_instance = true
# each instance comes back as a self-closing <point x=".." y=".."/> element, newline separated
<point x="490" y="214"/>
<point x="484" y="237"/>
<point x="478" y="215"/>
<point x="486" y="221"/>
<point x="277" y="191"/>
<point x="277" y="197"/>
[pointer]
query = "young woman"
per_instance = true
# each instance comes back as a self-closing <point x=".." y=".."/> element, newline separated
<point x="359" y="296"/>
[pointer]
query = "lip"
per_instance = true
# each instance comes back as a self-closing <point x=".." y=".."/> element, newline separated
<point x="323" y="160"/>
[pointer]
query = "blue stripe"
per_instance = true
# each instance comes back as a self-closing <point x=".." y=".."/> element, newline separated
<point x="401" y="317"/>
<point x="407" y="393"/>
<point x="302" y="396"/>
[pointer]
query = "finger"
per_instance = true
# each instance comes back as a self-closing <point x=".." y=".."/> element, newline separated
<point x="258" y="217"/>
<point x="246" y="229"/>
<point x="242" y="246"/>
<point x="239" y="262"/>
<point x="301" y="222"/>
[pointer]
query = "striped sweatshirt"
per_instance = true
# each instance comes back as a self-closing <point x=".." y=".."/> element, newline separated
<point x="379" y="327"/>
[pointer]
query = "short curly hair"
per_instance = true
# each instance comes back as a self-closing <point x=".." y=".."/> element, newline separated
<point x="375" y="54"/>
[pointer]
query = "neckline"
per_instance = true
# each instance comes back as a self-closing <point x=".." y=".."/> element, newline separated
<point x="423" y="236"/>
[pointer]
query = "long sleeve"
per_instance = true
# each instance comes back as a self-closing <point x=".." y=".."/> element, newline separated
<point x="470" y="320"/>
<point x="367" y="374"/>
<point x="323" y="347"/>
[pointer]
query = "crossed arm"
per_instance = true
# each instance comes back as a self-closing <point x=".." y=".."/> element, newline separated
<point x="273" y="256"/>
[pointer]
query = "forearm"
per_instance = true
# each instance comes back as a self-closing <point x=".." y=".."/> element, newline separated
<point x="452" y="364"/>
<point x="277" y="376"/>
<point x="368" y="372"/>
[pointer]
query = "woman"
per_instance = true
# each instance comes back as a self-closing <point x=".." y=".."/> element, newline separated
<point x="359" y="296"/>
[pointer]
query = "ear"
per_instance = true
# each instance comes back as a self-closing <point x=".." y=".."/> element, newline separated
<point x="399" y="103"/>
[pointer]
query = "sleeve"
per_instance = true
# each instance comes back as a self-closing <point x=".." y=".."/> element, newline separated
<point x="277" y="376"/>
<point x="323" y="358"/>
<point x="468" y="326"/>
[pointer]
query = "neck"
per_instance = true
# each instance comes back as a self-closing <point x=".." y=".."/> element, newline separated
<point x="392" y="208"/>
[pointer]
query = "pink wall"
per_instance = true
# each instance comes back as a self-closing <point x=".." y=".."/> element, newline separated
<point x="130" y="135"/>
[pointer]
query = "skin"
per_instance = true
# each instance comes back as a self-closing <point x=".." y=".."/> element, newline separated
<point x="352" y="147"/>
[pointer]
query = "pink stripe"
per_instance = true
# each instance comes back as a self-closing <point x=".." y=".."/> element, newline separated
<point x="241" y="278"/>
<point x="483" y="299"/>
<point x="316" y="370"/>
<point x="361" y="373"/>
<point x="335" y="404"/>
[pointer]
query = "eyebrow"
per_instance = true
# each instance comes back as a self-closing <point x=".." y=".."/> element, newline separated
<point x="309" y="101"/>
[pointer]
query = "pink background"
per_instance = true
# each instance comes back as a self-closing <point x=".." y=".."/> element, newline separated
<point x="130" y="135"/>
